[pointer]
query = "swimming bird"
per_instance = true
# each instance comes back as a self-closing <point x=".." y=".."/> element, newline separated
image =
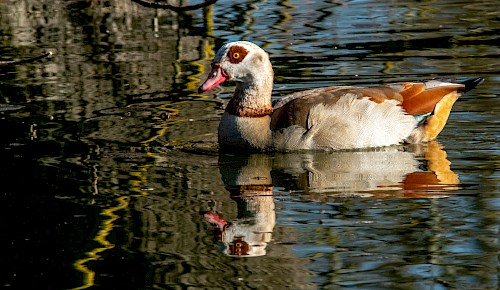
<point x="328" y="118"/>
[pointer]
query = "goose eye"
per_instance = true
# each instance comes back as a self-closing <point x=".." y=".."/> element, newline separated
<point x="236" y="54"/>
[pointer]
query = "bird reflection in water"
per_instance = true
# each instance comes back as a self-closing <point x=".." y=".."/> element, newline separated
<point x="249" y="234"/>
<point x="416" y="171"/>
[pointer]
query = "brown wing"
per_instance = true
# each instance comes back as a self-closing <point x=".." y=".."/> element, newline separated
<point x="415" y="98"/>
<point x="418" y="100"/>
<point x="294" y="109"/>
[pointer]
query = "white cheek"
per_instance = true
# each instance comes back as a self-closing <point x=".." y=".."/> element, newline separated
<point x="231" y="74"/>
<point x="234" y="72"/>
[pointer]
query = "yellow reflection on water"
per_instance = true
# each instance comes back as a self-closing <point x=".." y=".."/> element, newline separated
<point x="111" y="215"/>
<point x="101" y="237"/>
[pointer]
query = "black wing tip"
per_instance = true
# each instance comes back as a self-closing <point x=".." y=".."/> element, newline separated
<point x="471" y="83"/>
<point x="468" y="82"/>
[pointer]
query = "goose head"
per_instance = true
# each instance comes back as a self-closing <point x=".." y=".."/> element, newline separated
<point x="242" y="62"/>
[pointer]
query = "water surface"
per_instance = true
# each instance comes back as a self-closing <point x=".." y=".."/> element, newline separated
<point x="112" y="179"/>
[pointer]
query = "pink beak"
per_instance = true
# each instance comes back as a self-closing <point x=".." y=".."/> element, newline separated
<point x="215" y="78"/>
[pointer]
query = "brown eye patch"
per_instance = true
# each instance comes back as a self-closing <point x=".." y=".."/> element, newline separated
<point x="236" y="54"/>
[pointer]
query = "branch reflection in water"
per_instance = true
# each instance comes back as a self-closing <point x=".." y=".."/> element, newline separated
<point x="416" y="171"/>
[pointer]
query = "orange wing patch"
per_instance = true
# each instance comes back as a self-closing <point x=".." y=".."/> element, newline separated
<point x="418" y="101"/>
<point x="411" y="89"/>
<point x="236" y="54"/>
<point x="380" y="94"/>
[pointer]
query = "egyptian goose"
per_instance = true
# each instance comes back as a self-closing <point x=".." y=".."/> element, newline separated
<point x="335" y="118"/>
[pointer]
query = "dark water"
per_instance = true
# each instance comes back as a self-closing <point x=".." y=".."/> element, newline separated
<point x="110" y="169"/>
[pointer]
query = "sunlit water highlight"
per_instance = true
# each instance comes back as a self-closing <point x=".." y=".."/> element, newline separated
<point x="112" y="177"/>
